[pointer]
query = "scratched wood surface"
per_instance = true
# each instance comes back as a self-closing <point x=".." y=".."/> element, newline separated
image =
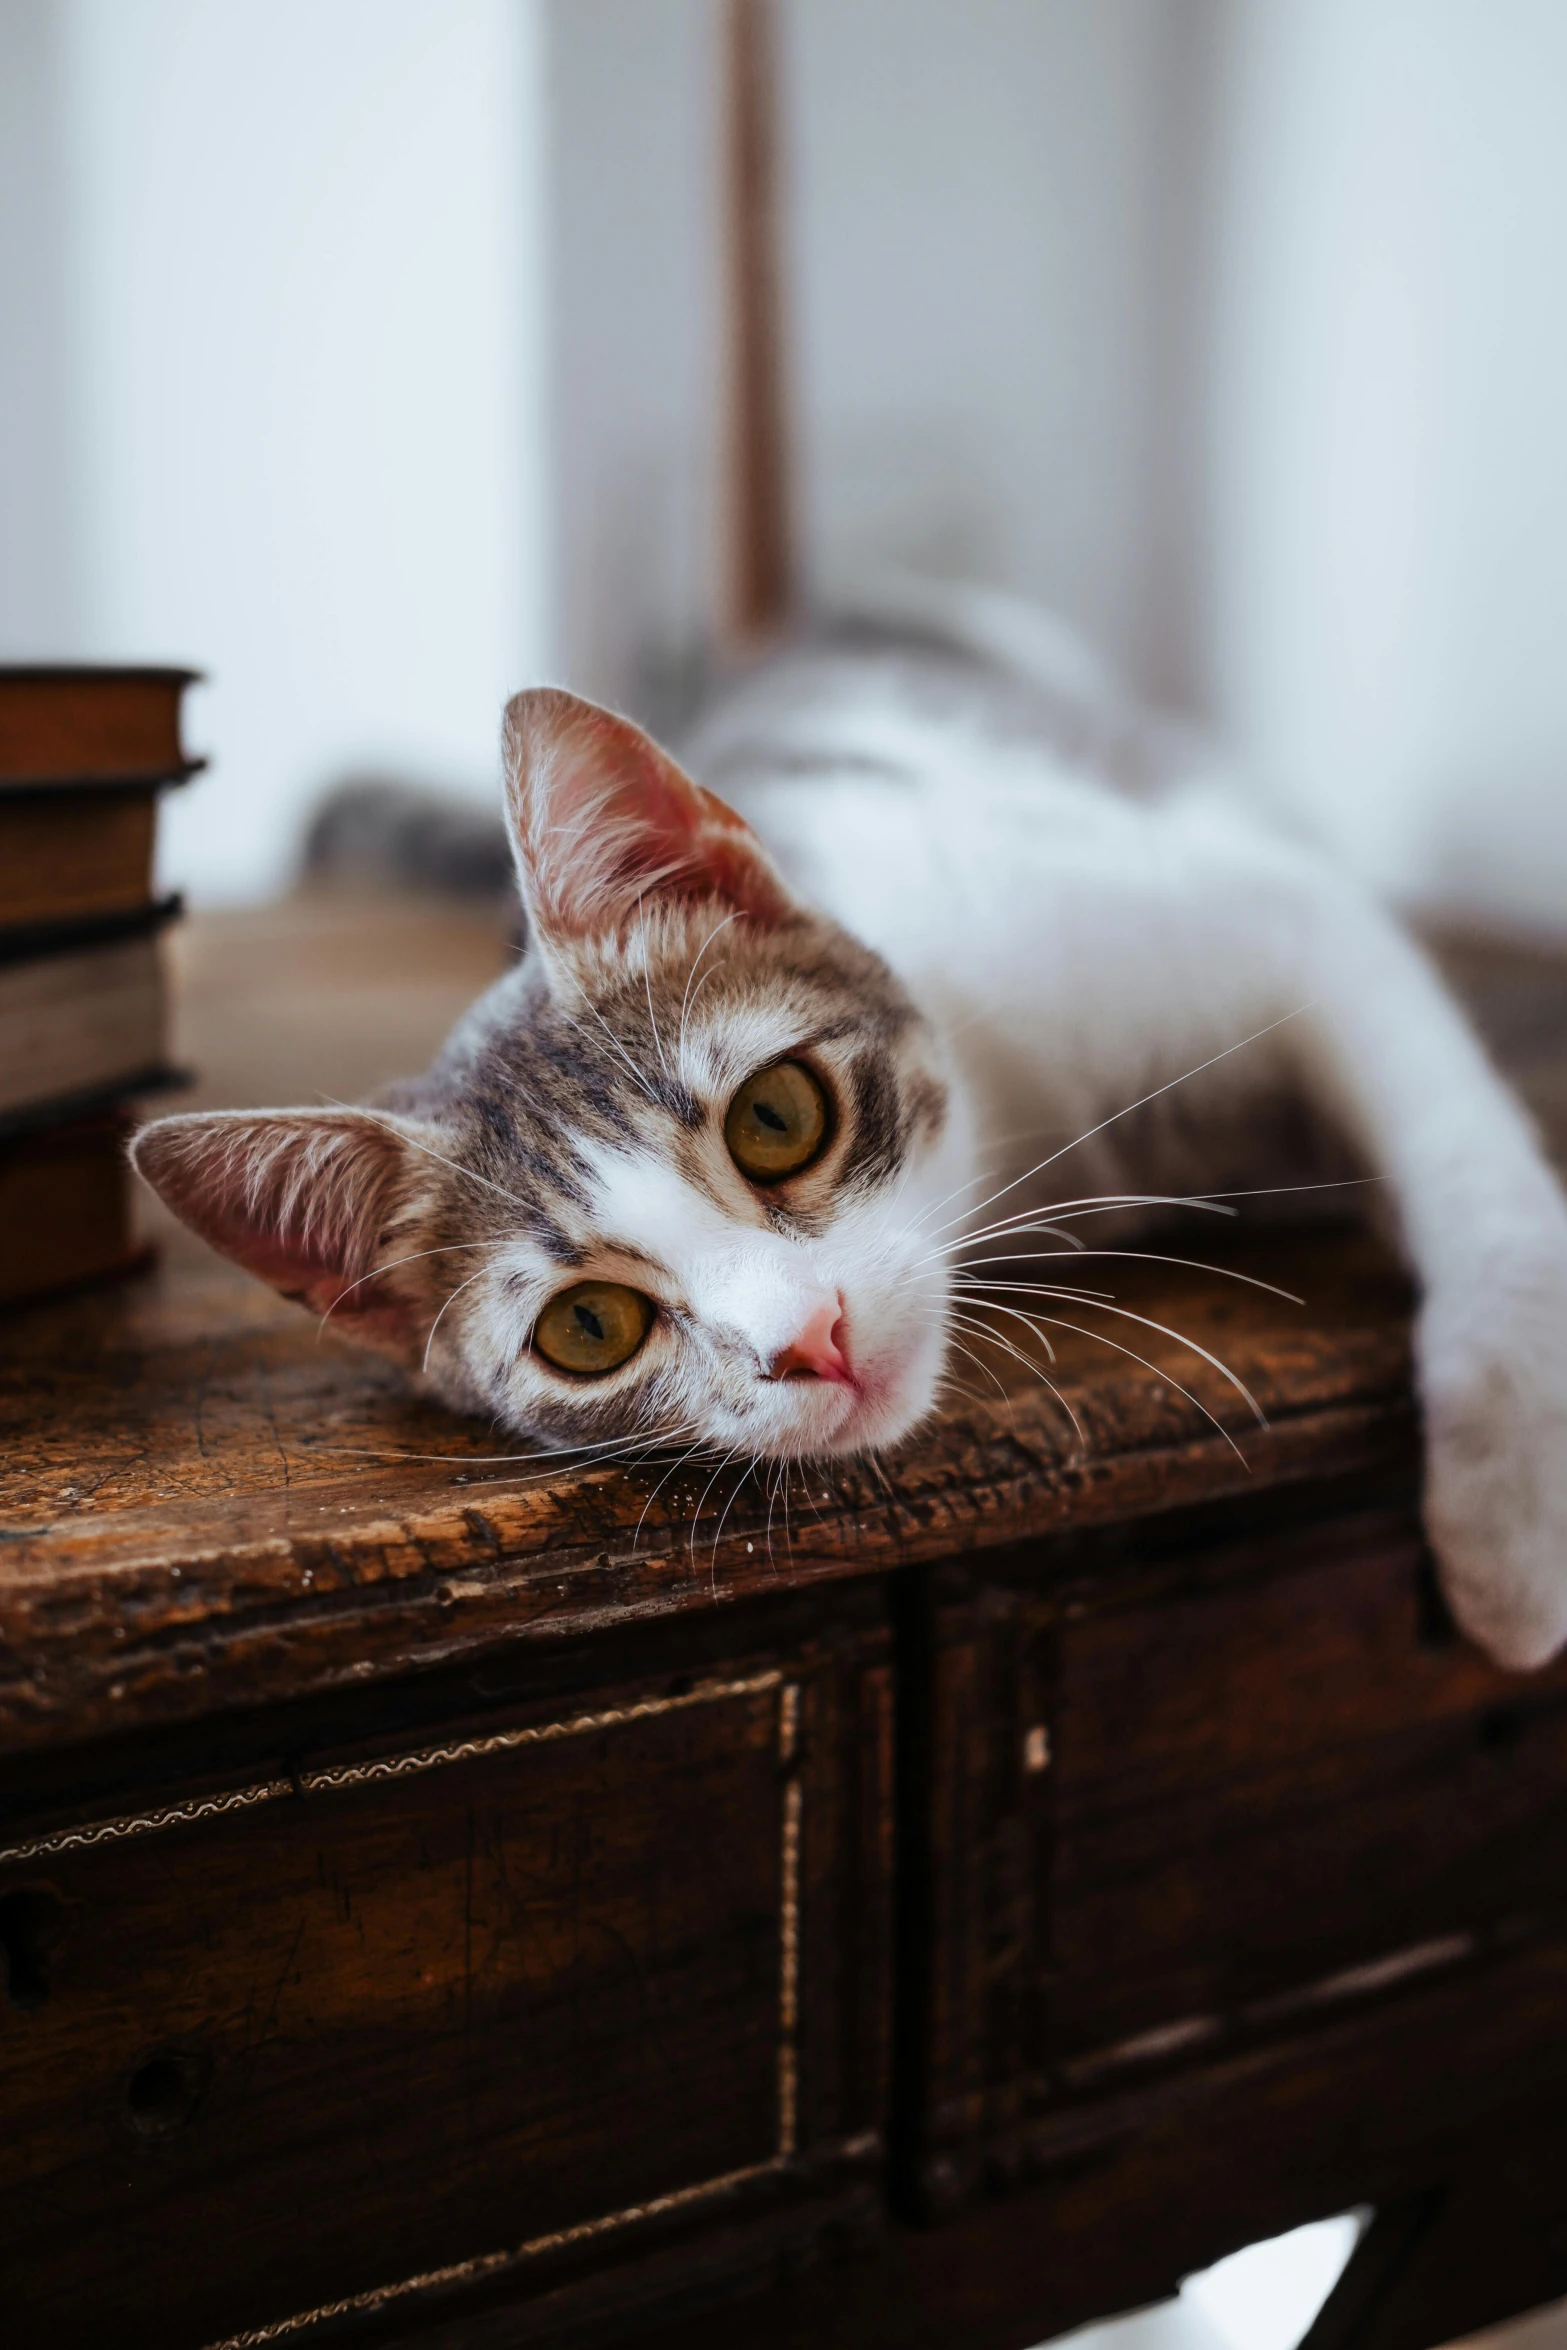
<point x="204" y="1501"/>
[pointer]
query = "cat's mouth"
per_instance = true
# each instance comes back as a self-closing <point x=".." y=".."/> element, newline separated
<point x="874" y="1416"/>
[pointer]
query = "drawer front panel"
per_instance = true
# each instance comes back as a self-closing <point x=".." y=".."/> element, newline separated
<point x="1196" y="1797"/>
<point x="429" y="2012"/>
<point x="1260" y="1786"/>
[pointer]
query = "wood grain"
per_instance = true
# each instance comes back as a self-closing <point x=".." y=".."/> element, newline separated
<point x="1195" y="1787"/>
<point x="1264" y="1784"/>
<point x="205" y="1501"/>
<point x="1431" y="2094"/>
<point x="445" y="2011"/>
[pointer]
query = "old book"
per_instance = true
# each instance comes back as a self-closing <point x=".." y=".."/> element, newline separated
<point x="65" y="1208"/>
<point x="81" y="1021"/>
<point x="65" y="726"/>
<point x="72" y="853"/>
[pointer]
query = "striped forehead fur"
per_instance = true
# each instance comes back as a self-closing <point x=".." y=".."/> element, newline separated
<point x="639" y="1036"/>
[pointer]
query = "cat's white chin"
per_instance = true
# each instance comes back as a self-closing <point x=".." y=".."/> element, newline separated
<point x="876" y="1424"/>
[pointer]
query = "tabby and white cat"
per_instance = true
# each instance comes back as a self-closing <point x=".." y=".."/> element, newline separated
<point x="1012" y="967"/>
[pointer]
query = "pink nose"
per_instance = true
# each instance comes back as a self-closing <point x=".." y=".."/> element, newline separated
<point x="816" y="1350"/>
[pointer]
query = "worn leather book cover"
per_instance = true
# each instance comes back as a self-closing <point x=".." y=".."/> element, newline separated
<point x="65" y="1209"/>
<point x="82" y="1014"/>
<point x="62" y="727"/>
<point x="69" y="854"/>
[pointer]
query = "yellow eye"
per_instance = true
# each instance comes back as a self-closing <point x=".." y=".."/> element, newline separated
<point x="593" y="1327"/>
<point x="777" y="1122"/>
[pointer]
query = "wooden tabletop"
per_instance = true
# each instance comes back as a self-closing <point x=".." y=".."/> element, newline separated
<point x="205" y="1502"/>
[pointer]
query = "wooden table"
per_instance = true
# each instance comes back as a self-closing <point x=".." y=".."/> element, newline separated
<point x="448" y="1902"/>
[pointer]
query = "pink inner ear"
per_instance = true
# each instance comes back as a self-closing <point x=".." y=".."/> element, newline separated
<point x="299" y="1199"/>
<point x="318" y="1280"/>
<point x="605" y="820"/>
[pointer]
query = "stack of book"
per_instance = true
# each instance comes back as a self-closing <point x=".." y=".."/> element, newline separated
<point x="84" y="754"/>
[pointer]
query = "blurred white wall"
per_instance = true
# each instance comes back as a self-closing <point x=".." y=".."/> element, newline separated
<point x="368" y="353"/>
<point x="633" y="325"/>
<point x="977" y="241"/>
<point x="300" y="345"/>
<point x="1384" y="585"/>
<point x="976" y="227"/>
<point x="39" y="540"/>
<point x="1236" y="329"/>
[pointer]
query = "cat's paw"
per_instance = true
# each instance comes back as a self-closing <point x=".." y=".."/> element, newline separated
<point x="1493" y="1377"/>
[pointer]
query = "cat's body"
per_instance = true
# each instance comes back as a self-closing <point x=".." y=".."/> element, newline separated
<point x="1049" y="871"/>
<point x="1029" y="954"/>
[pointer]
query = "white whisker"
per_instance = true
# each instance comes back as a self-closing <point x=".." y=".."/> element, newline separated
<point x="1126" y="1314"/>
<point x="706" y="1490"/>
<point x="456" y="1293"/>
<point x="748" y="1471"/>
<point x="975" y="1283"/>
<point x="629" y="1064"/>
<point x="631" y="1451"/>
<point x="995" y="1338"/>
<point x="1144" y="1099"/>
<point x="1028" y="1220"/>
<point x="673" y="1468"/>
<point x="389" y="1127"/>
<point x="647" y="988"/>
<point x="1141" y="1256"/>
<point x="779" y="1469"/>
<point x="412" y="1258"/>
<point x="680" y="1041"/>
<point x="464" y="1460"/>
<point x="959" y="1348"/>
<point x="1098" y="1338"/>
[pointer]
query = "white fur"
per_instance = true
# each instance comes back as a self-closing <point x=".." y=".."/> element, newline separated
<point x="1080" y="950"/>
<point x="734" y="1293"/>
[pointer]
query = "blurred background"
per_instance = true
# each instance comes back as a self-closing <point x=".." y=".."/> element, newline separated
<point x="378" y="357"/>
<point x="368" y="354"/>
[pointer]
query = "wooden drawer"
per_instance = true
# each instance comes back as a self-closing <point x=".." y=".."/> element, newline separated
<point x="437" y="2014"/>
<point x="1186" y="1795"/>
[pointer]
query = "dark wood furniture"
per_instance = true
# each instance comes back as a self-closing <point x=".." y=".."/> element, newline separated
<point x="446" y="1901"/>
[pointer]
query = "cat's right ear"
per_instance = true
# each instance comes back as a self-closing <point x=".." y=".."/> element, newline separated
<point x="603" y="823"/>
<point x="307" y="1200"/>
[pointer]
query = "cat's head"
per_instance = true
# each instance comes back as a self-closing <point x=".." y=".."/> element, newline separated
<point x="683" y="1173"/>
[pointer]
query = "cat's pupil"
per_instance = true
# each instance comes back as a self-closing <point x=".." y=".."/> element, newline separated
<point x="588" y="1320"/>
<point x="777" y="1123"/>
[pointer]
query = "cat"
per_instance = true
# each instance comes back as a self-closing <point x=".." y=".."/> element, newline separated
<point x="948" y="948"/>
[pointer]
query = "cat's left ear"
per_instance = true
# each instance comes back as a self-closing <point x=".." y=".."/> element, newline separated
<point x="602" y="821"/>
<point x="308" y="1200"/>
